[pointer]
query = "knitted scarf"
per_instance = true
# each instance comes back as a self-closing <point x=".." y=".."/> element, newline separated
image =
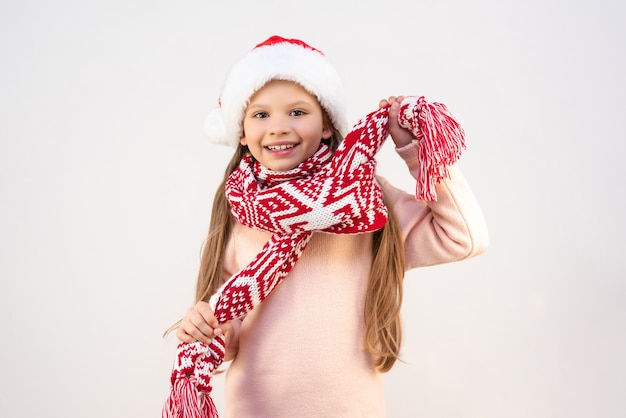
<point x="331" y="193"/>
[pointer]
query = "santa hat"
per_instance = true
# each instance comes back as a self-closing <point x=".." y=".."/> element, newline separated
<point x="276" y="58"/>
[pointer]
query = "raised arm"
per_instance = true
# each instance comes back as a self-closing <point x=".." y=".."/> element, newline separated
<point x="450" y="229"/>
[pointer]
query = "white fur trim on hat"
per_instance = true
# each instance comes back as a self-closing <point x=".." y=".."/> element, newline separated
<point x="275" y="59"/>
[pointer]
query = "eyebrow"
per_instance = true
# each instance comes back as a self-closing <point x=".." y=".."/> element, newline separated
<point x="297" y="103"/>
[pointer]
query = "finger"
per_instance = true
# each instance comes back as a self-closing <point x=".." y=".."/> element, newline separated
<point x="394" y="110"/>
<point x="383" y="103"/>
<point x="205" y="311"/>
<point x="224" y="328"/>
<point x="192" y="334"/>
<point x="183" y="336"/>
<point x="201" y="328"/>
<point x="194" y="326"/>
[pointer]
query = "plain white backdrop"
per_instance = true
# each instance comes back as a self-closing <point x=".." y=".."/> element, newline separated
<point x="106" y="186"/>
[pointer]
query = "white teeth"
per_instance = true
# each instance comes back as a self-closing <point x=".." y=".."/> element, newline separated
<point x="279" y="147"/>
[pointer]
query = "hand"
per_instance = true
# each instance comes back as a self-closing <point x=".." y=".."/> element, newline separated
<point x="401" y="136"/>
<point x="199" y="324"/>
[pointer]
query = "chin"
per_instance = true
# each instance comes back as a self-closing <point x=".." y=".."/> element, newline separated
<point x="282" y="167"/>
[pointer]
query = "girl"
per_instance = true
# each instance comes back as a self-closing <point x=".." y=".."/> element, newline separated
<point x="317" y="345"/>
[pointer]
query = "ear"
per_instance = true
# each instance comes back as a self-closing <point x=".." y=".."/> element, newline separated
<point x="243" y="141"/>
<point x="327" y="133"/>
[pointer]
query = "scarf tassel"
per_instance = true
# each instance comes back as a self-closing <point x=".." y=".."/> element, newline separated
<point x="441" y="141"/>
<point x="190" y="392"/>
<point x="185" y="401"/>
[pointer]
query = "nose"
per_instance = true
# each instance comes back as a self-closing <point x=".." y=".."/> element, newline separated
<point x="279" y="125"/>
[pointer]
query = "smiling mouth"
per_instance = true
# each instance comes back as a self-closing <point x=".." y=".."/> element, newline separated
<point x="279" y="147"/>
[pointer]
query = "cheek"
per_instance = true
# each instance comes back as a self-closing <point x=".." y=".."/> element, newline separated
<point x="316" y="132"/>
<point x="249" y="134"/>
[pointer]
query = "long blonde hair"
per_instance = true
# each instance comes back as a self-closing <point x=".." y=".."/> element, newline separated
<point x="383" y="331"/>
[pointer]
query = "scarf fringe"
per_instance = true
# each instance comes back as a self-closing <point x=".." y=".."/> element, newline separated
<point x="441" y="141"/>
<point x="185" y="401"/>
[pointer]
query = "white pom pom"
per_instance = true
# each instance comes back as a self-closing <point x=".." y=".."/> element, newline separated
<point x="215" y="130"/>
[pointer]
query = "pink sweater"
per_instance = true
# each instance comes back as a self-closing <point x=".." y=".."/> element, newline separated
<point x="301" y="352"/>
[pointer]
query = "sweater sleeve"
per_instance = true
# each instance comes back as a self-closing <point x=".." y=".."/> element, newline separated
<point x="450" y="229"/>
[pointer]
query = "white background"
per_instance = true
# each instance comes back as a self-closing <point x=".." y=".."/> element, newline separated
<point x="106" y="185"/>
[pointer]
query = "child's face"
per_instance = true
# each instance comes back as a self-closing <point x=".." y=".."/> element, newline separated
<point x="283" y="125"/>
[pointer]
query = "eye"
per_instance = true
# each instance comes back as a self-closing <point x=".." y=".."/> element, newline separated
<point x="297" y="112"/>
<point x="260" y="115"/>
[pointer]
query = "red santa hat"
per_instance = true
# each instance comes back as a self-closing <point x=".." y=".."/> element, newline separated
<point x="276" y="58"/>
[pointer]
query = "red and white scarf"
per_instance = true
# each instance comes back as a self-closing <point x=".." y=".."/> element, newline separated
<point x="331" y="193"/>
